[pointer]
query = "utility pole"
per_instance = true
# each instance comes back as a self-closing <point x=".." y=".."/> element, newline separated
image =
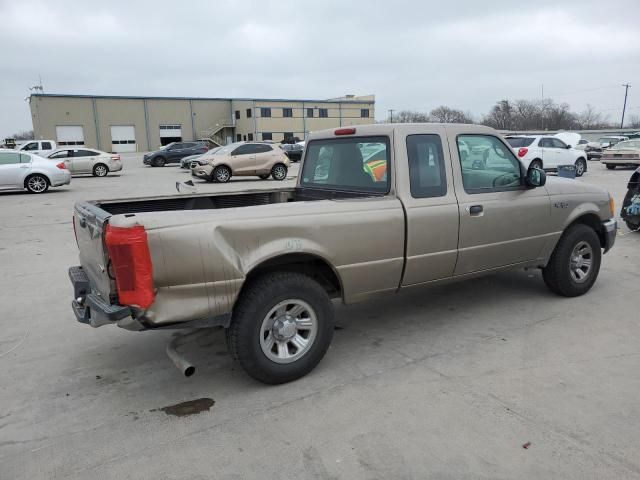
<point x="542" y="107"/>
<point x="624" y="107"/>
<point x="391" y="114"/>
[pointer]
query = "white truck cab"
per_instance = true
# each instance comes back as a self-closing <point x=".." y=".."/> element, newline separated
<point x="38" y="147"/>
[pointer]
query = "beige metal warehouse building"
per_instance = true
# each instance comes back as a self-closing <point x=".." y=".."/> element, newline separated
<point x="129" y="124"/>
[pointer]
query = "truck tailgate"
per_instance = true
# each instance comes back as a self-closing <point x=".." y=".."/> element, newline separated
<point x="89" y="222"/>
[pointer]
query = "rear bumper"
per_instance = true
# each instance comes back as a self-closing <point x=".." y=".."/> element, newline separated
<point x="89" y="307"/>
<point x="610" y="229"/>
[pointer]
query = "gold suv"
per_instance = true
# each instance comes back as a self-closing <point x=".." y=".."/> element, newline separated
<point x="243" y="159"/>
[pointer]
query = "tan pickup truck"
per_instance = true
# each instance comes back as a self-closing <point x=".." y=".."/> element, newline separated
<point x="376" y="209"/>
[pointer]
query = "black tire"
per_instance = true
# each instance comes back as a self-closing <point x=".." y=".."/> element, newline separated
<point x="536" y="163"/>
<point x="581" y="167"/>
<point x="610" y="166"/>
<point x="221" y="174"/>
<point x="635" y="227"/>
<point x="100" y="170"/>
<point x="36" y="183"/>
<point x="558" y="272"/>
<point x="264" y="177"/>
<point x="158" y="162"/>
<point x="279" y="171"/>
<point x="257" y="300"/>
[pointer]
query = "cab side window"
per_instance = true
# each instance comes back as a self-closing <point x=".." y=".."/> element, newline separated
<point x="31" y="147"/>
<point x="426" y="166"/>
<point x="46" y="145"/>
<point x="487" y="164"/>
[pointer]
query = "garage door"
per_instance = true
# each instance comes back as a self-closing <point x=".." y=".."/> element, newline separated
<point x="69" y="135"/>
<point x="123" y="138"/>
<point x="170" y="133"/>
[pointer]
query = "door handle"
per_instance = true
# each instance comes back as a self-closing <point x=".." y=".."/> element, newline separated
<point x="475" y="210"/>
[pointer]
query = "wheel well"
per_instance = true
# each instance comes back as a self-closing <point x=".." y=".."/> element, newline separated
<point x="592" y="220"/>
<point x="35" y="173"/>
<point x="304" y="263"/>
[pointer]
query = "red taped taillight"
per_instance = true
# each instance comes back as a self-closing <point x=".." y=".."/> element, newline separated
<point x="345" y="131"/>
<point x="131" y="264"/>
<point x="522" y="152"/>
<point x="61" y="166"/>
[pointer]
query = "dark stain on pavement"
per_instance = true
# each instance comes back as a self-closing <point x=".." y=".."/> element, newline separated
<point x="191" y="407"/>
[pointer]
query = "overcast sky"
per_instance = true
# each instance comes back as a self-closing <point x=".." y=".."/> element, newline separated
<point x="411" y="55"/>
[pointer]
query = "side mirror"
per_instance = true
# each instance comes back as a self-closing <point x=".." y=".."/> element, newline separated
<point x="535" y="177"/>
<point x="568" y="146"/>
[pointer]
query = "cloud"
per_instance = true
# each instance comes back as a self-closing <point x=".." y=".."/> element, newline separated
<point x="412" y="55"/>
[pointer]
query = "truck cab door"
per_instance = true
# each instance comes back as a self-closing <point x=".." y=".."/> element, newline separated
<point x="431" y="207"/>
<point x="502" y="222"/>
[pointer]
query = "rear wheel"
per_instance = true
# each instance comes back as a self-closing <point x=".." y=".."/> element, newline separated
<point x="222" y="174"/>
<point x="581" y="167"/>
<point x="100" y="170"/>
<point x="281" y="328"/>
<point x="36" y="183"/>
<point x="279" y="171"/>
<point x="574" y="265"/>
<point x="536" y="164"/>
<point x="264" y="177"/>
<point x="159" y="162"/>
<point x="610" y="166"/>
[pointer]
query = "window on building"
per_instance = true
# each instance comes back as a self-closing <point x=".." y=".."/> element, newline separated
<point x="248" y="113"/>
<point x="237" y="114"/>
<point x="309" y="112"/>
<point x="265" y="112"/>
<point x="323" y="113"/>
<point x="287" y="112"/>
<point x="364" y="113"/>
<point x="250" y="137"/>
<point x="267" y="136"/>
<point x="238" y="137"/>
<point x="244" y="137"/>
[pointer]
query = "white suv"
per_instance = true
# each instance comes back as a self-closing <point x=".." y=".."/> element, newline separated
<point x="547" y="152"/>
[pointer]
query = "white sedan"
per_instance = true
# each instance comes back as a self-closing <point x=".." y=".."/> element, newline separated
<point x="87" y="160"/>
<point x="20" y="170"/>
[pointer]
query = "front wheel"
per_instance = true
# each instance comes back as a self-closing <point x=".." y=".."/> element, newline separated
<point x="581" y="167"/>
<point x="574" y="264"/>
<point x="610" y="166"/>
<point x="158" y="162"/>
<point x="222" y="174"/>
<point x="281" y="327"/>
<point x="279" y="171"/>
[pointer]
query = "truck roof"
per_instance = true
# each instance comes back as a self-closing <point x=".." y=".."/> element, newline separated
<point x="388" y="128"/>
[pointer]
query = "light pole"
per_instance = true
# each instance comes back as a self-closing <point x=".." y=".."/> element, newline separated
<point x="624" y="107"/>
<point x="391" y="114"/>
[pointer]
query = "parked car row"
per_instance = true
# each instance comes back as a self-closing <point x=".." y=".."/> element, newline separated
<point x="547" y="152"/>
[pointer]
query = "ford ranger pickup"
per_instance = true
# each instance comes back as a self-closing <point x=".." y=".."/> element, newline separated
<point x="376" y="209"/>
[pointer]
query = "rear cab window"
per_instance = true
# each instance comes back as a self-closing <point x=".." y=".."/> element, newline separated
<point x="519" y="142"/>
<point x="352" y="164"/>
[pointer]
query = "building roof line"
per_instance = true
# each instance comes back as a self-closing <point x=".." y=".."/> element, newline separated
<point x="125" y="97"/>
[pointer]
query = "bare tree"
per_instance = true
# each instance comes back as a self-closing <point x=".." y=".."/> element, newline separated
<point x="409" y="116"/>
<point x="24" y="135"/>
<point x="590" y="118"/>
<point x="634" y="121"/>
<point x="500" y="116"/>
<point x="444" y="114"/>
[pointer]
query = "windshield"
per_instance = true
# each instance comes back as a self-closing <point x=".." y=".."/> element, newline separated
<point x="518" y="142"/>
<point x="355" y="163"/>
<point x="627" y="144"/>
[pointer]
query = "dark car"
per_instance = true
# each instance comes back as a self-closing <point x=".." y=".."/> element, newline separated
<point x="293" y="151"/>
<point x="173" y="153"/>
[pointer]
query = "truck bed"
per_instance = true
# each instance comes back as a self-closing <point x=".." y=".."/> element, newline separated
<point x="218" y="201"/>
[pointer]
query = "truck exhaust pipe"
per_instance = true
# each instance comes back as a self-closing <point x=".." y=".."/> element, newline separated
<point x="178" y="360"/>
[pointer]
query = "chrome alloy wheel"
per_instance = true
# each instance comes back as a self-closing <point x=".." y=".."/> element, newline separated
<point x="288" y="331"/>
<point x="37" y="184"/>
<point x="279" y="172"/>
<point x="580" y="262"/>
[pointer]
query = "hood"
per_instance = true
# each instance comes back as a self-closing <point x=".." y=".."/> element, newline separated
<point x="569" y="138"/>
<point x="558" y="186"/>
